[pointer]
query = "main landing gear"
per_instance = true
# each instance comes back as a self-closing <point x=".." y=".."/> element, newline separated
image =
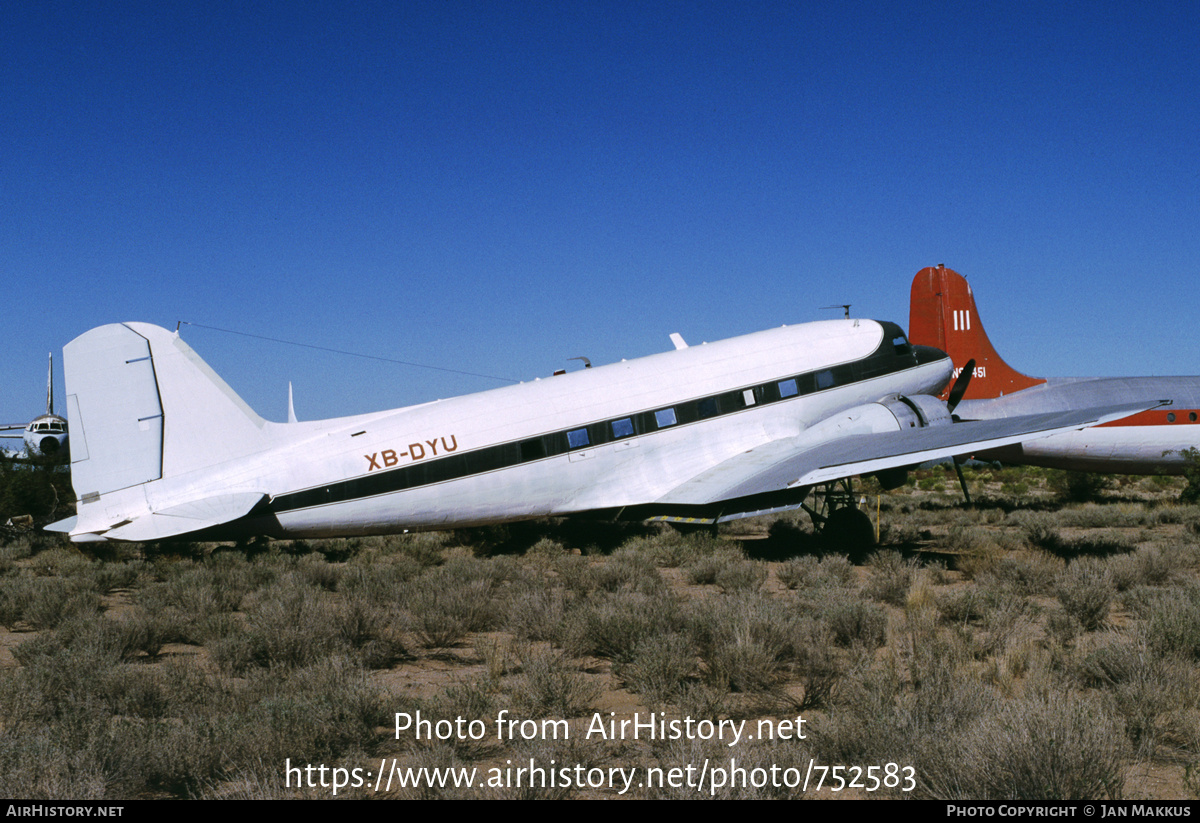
<point x="836" y="518"/>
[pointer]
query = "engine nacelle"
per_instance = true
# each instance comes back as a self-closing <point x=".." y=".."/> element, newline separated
<point x="911" y="413"/>
<point x="890" y="414"/>
<point x="917" y="412"/>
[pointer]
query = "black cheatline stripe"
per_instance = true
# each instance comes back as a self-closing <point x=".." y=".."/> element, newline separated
<point x="884" y="361"/>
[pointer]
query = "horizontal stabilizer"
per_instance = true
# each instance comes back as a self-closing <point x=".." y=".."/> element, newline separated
<point x="185" y="518"/>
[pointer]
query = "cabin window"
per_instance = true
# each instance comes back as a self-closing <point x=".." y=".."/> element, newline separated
<point x="748" y="397"/>
<point x="707" y="407"/>
<point x="787" y="388"/>
<point x="1191" y="417"/>
<point x="622" y="427"/>
<point x="1170" y="417"/>
<point x="664" y="418"/>
<point x="577" y="438"/>
<point x="824" y="379"/>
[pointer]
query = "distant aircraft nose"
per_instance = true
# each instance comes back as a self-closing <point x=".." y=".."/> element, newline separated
<point x="48" y="445"/>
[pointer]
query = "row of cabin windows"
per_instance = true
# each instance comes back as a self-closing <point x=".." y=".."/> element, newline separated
<point x="504" y="455"/>
<point x="706" y="407"/>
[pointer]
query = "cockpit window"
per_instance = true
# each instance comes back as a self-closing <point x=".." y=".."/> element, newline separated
<point x="901" y="345"/>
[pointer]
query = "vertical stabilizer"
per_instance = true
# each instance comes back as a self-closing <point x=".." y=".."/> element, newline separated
<point x="50" y="385"/>
<point x="942" y="314"/>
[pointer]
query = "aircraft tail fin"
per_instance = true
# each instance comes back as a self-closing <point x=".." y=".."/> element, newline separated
<point x="942" y="314"/>
<point x="143" y="407"/>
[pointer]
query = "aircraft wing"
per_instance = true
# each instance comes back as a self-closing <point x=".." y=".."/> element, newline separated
<point x="798" y="462"/>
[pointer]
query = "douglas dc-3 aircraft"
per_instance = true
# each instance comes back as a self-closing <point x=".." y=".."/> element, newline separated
<point x="162" y="447"/>
<point x="44" y="436"/>
<point x="943" y="314"/>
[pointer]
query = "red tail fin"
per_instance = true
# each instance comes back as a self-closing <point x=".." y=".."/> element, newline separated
<point x="942" y="313"/>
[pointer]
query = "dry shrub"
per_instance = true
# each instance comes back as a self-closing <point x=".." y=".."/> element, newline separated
<point x="287" y="625"/>
<point x="612" y="625"/>
<point x="668" y="548"/>
<point x="1040" y="531"/>
<point x="549" y="685"/>
<point x="891" y="576"/>
<point x="1173" y="622"/>
<point x="704" y="569"/>
<point x="964" y="539"/>
<point x="1148" y="566"/>
<point x="536" y="611"/>
<point x="1025" y="573"/>
<point x="448" y="602"/>
<point x="1144" y="685"/>
<point x="46" y="602"/>
<point x="660" y="667"/>
<point x="961" y="606"/>
<point x="625" y="571"/>
<point x="854" y="622"/>
<point x="979" y="562"/>
<point x="808" y="573"/>
<point x="741" y="576"/>
<point x="1053" y="748"/>
<point x="876" y="720"/>
<point x="815" y="663"/>
<point x="1004" y="618"/>
<point x="703" y="702"/>
<point x="800" y="572"/>
<point x="744" y="642"/>
<point x="1086" y="591"/>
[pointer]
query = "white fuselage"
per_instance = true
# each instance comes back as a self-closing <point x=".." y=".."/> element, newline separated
<point x="475" y="459"/>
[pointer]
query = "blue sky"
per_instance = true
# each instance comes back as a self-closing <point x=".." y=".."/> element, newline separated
<point x="497" y="187"/>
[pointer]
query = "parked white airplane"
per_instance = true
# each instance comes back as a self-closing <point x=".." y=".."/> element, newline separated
<point x="45" y="435"/>
<point x="943" y="314"/>
<point x="162" y="447"/>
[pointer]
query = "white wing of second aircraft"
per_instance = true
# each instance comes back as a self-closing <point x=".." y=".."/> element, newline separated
<point x="802" y="461"/>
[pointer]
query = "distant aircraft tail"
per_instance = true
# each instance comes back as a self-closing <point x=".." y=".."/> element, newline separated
<point x="942" y="313"/>
<point x="144" y="409"/>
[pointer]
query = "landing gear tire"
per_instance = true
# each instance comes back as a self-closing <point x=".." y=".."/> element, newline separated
<point x="848" y="530"/>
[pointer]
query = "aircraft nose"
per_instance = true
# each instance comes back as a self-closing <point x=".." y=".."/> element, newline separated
<point x="48" y="445"/>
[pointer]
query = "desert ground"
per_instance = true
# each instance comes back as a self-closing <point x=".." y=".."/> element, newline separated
<point x="1043" y="643"/>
